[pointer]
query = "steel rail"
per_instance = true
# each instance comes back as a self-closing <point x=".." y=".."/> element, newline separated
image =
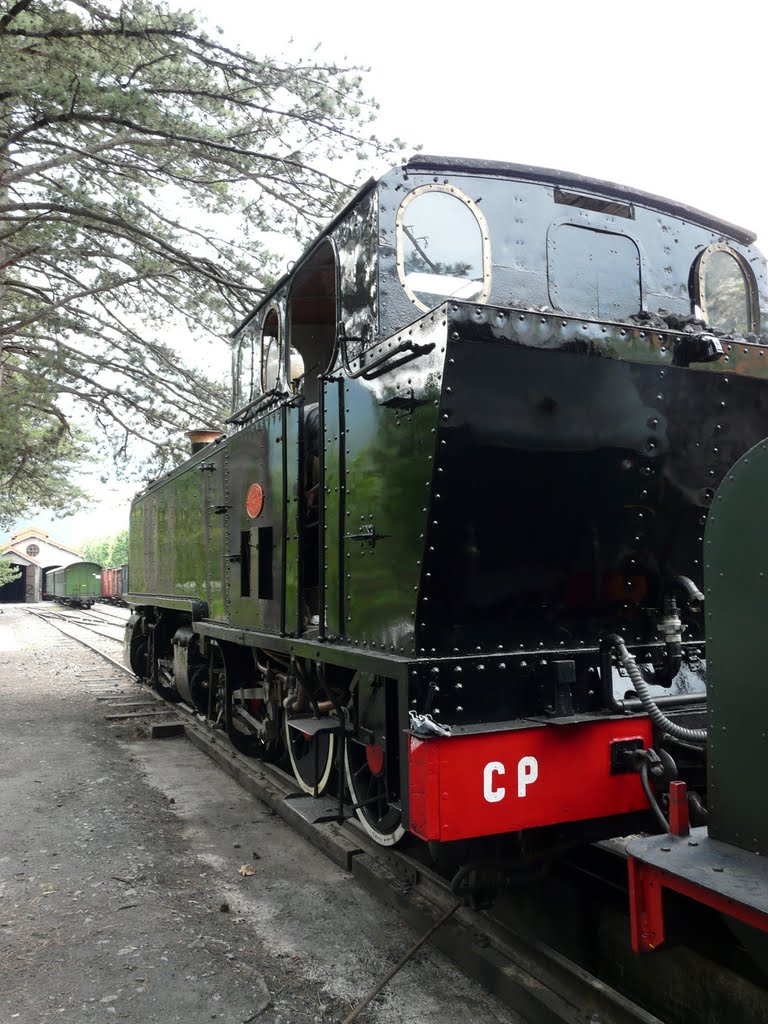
<point x="83" y="621"/>
<point x="51" y="617"/>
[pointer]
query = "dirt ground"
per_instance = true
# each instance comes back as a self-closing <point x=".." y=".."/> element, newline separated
<point x="120" y="892"/>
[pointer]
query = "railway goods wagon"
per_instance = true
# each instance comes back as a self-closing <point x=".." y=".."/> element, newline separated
<point x="108" y="585"/>
<point x="113" y="586"/>
<point x="78" y="584"/>
<point x="475" y="437"/>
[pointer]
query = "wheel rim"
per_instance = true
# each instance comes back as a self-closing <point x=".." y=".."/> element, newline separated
<point x="301" y="753"/>
<point x="366" y="770"/>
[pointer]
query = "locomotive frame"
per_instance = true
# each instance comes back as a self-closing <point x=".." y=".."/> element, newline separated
<point x="517" y="447"/>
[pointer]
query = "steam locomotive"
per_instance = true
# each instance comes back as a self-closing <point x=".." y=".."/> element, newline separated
<point x="450" y="551"/>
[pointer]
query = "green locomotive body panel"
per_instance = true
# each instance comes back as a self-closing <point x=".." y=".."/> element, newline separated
<point x="375" y="527"/>
<point x="736" y="576"/>
<point x="177" y="535"/>
<point x="255" y="459"/>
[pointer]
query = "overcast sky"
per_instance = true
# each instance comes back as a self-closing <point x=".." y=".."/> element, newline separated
<point x="668" y="97"/>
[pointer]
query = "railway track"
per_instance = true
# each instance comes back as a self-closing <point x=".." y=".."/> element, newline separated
<point x="495" y="947"/>
<point x="84" y="622"/>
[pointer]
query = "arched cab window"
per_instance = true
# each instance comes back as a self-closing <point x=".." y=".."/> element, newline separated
<point x="244" y="369"/>
<point x="271" y="352"/>
<point x="443" y="247"/>
<point x="724" y="290"/>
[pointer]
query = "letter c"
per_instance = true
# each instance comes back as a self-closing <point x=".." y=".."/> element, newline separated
<point x="491" y="794"/>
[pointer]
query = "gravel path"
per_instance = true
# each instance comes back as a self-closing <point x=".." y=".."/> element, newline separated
<point x="120" y="892"/>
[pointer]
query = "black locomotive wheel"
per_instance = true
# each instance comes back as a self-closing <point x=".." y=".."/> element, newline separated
<point x="311" y="757"/>
<point x="366" y="771"/>
<point x="217" y="684"/>
<point x="138" y="655"/>
<point x="163" y="683"/>
<point x="199" y="687"/>
<point x="246" y="718"/>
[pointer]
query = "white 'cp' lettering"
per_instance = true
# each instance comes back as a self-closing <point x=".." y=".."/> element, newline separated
<point x="527" y="774"/>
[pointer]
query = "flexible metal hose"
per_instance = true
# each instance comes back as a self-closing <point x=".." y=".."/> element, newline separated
<point x="655" y="713"/>
<point x="651" y="798"/>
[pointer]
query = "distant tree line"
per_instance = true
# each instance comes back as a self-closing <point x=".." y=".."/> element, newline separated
<point x="110" y="552"/>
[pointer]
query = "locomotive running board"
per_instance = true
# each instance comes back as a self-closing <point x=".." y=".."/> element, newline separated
<point x="725" y="877"/>
<point x="315" y="810"/>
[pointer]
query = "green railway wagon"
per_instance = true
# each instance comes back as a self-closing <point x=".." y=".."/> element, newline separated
<point x="78" y="584"/>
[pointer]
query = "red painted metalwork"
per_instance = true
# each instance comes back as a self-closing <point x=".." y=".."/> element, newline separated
<point x="109" y="587"/>
<point x="679" y="823"/>
<point x="493" y="782"/>
<point x="374" y="755"/>
<point x="254" y="501"/>
<point x="646" y="889"/>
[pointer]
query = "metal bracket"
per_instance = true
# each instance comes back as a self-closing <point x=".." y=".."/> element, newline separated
<point x="404" y="402"/>
<point x="367" y="533"/>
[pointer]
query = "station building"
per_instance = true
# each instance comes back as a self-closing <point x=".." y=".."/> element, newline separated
<point x="35" y="552"/>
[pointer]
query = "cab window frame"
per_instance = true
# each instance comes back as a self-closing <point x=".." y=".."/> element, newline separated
<point x="243" y="391"/>
<point x="485" y="238"/>
<point x="697" y="290"/>
<point x="272" y="308"/>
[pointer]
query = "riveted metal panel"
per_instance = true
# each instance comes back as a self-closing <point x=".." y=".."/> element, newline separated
<point x="332" y="546"/>
<point x="255" y="555"/>
<point x="736" y="578"/>
<point x="521" y="209"/>
<point x="216" y="519"/>
<point x="390" y="423"/>
<point x="171" y="543"/>
<point x="293" y="461"/>
<point x="577" y="466"/>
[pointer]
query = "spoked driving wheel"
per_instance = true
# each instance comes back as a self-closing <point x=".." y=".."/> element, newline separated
<point x="251" y="721"/>
<point x="163" y="682"/>
<point x="311" y="756"/>
<point x="217" y="684"/>
<point x="199" y="688"/>
<point x="366" y="770"/>
<point x="370" y="758"/>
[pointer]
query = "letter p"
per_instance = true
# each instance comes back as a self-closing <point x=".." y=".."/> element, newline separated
<point x="527" y="773"/>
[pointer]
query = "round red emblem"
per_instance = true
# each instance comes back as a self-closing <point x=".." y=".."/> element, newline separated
<point x="254" y="501"/>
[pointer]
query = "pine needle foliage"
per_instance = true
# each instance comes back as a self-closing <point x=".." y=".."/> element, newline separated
<point x="143" y="163"/>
